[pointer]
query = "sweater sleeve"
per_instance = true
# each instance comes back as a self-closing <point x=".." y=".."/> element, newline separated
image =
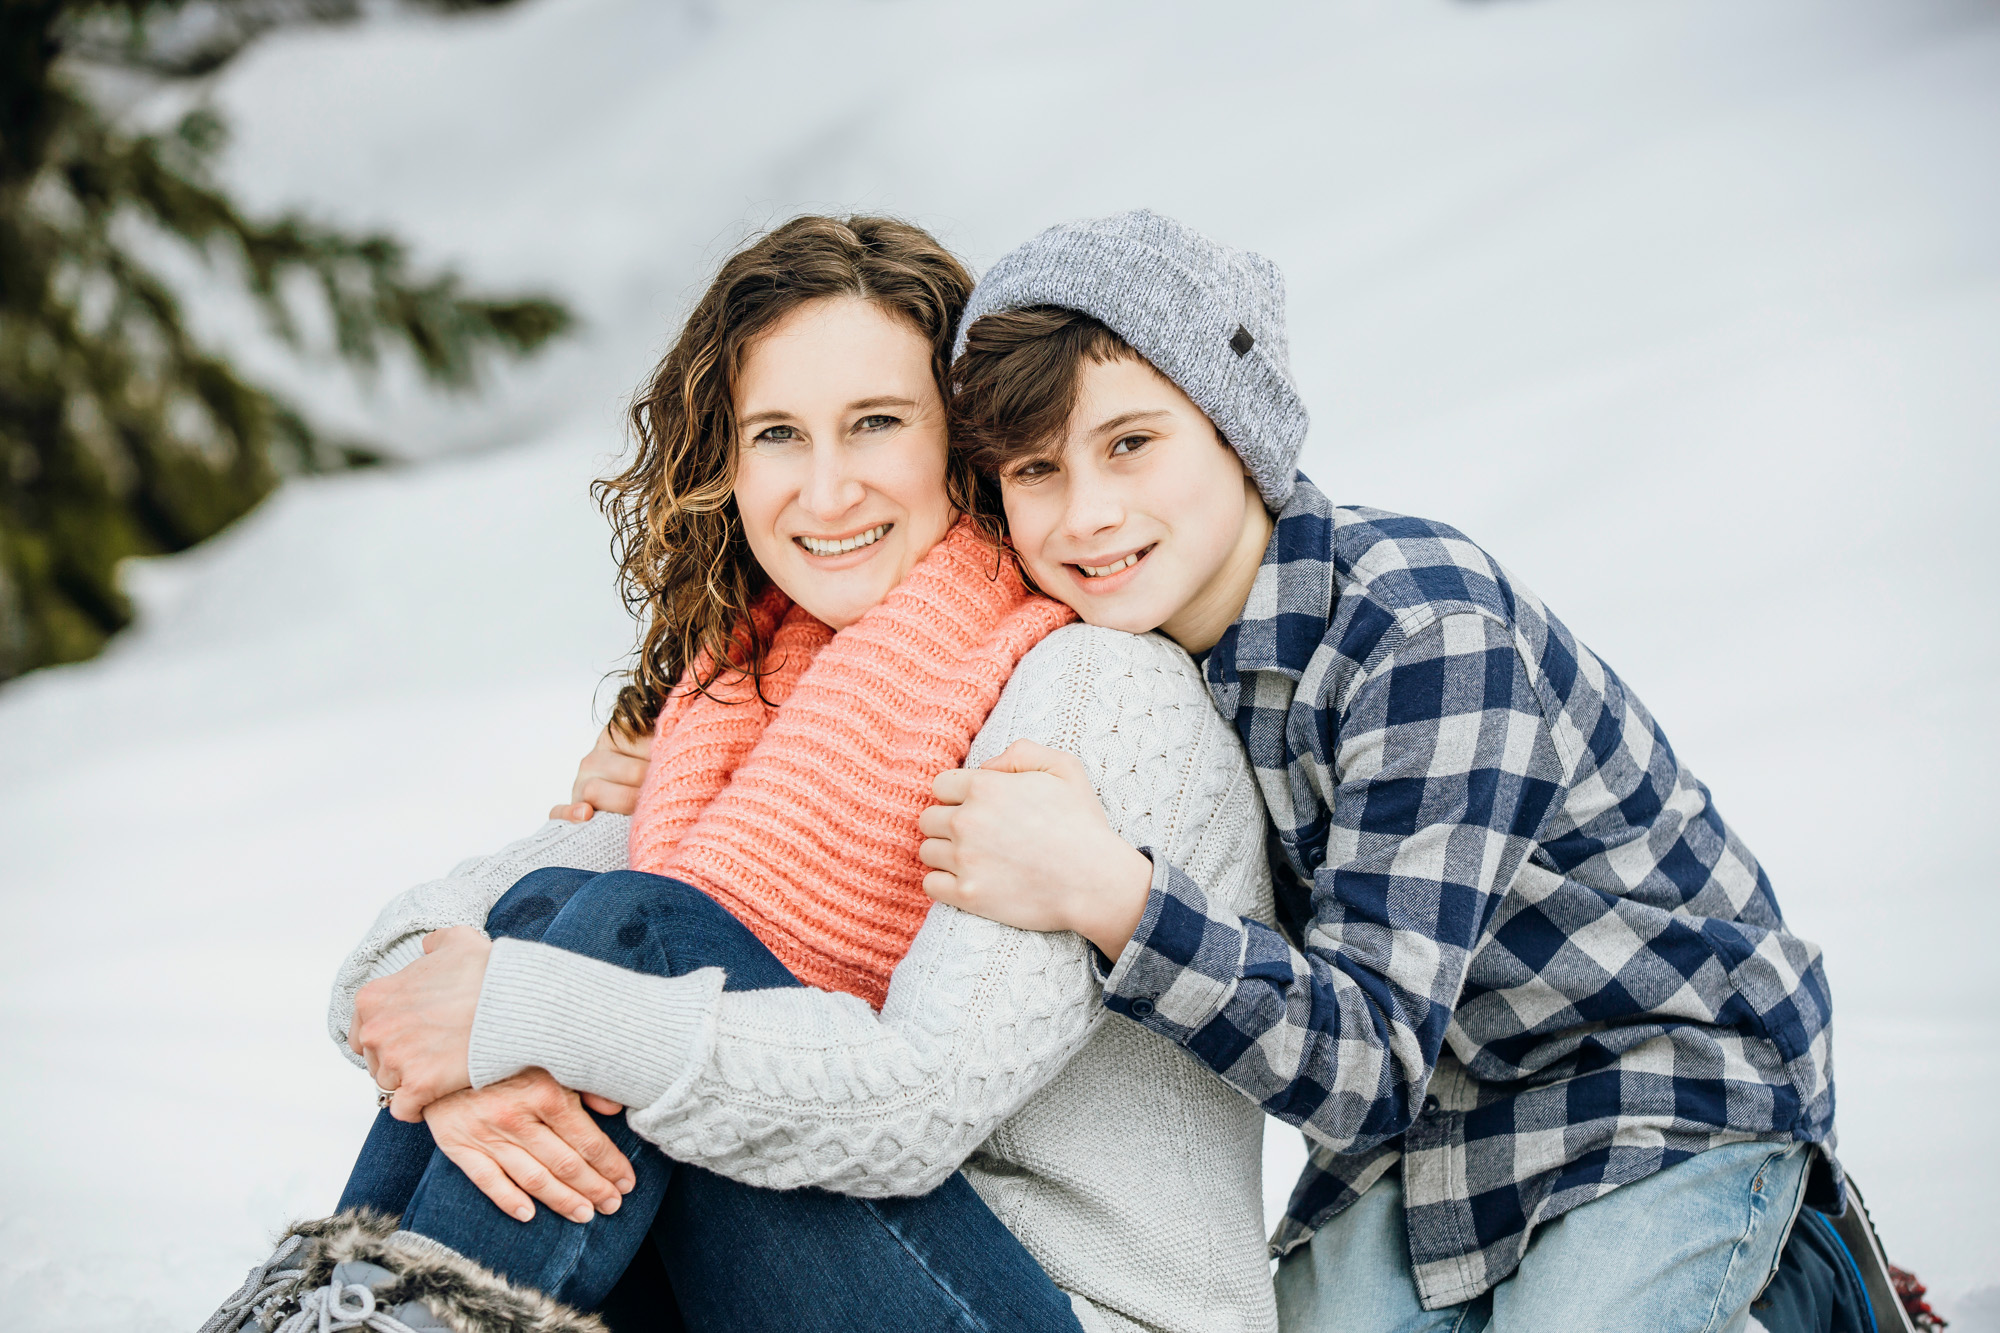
<point x="788" y="1088"/>
<point x="463" y="898"/>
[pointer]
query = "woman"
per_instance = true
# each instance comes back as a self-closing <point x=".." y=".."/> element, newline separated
<point x="828" y="627"/>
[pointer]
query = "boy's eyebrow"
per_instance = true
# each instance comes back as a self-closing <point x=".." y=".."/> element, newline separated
<point x="1124" y="419"/>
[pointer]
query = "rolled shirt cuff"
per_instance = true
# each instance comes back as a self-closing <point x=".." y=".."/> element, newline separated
<point x="596" y="1027"/>
<point x="1181" y="966"/>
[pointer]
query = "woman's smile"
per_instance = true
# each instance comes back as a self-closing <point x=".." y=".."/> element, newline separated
<point x="827" y="548"/>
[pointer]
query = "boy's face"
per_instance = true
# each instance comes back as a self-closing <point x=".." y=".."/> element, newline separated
<point x="1146" y="519"/>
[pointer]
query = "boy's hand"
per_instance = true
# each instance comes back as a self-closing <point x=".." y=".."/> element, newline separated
<point x="528" y="1135"/>
<point x="1022" y="840"/>
<point x="414" y="1027"/>
<point x="609" y="777"/>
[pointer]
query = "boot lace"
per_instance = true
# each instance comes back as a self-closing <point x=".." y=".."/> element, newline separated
<point x="342" y="1307"/>
<point x="267" y="1284"/>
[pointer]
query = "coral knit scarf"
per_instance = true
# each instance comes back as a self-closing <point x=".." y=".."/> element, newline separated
<point x="800" y="816"/>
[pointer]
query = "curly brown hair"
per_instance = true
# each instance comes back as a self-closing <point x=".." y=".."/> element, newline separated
<point x="685" y="567"/>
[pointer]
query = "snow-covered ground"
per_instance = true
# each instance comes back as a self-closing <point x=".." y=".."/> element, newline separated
<point x="1688" y="309"/>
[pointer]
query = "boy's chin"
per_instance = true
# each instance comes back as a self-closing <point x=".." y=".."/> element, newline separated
<point x="1130" y="609"/>
<point x="1113" y="613"/>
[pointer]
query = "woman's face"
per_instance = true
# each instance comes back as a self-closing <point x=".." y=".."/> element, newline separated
<point x="841" y="455"/>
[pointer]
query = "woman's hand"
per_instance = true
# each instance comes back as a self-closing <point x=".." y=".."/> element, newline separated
<point x="414" y="1027"/>
<point x="609" y="777"/>
<point x="528" y="1135"/>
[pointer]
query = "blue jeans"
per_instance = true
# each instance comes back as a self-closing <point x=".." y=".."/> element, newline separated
<point x="736" y="1257"/>
<point x="1683" y="1251"/>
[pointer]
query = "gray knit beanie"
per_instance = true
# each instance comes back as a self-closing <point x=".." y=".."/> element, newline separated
<point x="1209" y="318"/>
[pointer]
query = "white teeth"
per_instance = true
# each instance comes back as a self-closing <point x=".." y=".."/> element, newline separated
<point x="1099" y="571"/>
<point x="822" y="546"/>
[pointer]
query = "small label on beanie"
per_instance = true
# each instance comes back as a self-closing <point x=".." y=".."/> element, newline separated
<point x="1241" y="342"/>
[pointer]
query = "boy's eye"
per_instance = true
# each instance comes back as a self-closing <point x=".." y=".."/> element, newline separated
<point x="1031" y="471"/>
<point x="1130" y="444"/>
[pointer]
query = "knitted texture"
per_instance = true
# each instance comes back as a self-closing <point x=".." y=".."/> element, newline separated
<point x="798" y="812"/>
<point x="1209" y="318"/>
<point x="1130" y="1172"/>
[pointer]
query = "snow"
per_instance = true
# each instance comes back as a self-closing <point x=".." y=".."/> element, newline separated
<point x="1688" y="310"/>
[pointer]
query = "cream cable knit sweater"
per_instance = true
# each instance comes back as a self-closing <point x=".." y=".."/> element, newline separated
<point x="1130" y="1172"/>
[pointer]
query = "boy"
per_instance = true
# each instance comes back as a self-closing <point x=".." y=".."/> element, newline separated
<point x="1560" y="1062"/>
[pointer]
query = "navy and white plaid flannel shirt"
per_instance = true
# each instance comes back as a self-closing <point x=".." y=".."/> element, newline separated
<point x="1523" y="950"/>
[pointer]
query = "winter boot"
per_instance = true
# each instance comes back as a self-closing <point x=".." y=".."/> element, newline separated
<point x="356" y="1272"/>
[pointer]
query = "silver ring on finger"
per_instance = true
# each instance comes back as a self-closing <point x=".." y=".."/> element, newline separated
<point x="383" y="1096"/>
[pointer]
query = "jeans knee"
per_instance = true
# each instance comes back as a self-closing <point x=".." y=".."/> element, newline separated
<point x="639" y="889"/>
<point x="623" y="917"/>
<point x="526" y="909"/>
<point x="648" y="923"/>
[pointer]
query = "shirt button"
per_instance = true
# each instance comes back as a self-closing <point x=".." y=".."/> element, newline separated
<point x="1142" y="1008"/>
<point x="1432" y="1106"/>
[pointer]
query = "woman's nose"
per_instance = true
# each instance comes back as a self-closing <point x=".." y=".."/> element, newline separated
<point x="832" y="488"/>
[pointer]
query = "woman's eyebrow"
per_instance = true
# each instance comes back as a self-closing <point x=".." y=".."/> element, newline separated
<point x="887" y="400"/>
<point x="761" y="418"/>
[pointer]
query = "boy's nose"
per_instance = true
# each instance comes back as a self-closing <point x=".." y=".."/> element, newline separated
<point x="1091" y="511"/>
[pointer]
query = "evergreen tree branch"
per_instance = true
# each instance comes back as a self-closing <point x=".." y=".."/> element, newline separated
<point x="121" y="431"/>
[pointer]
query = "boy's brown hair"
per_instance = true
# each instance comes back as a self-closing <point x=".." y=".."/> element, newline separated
<point x="1015" y="385"/>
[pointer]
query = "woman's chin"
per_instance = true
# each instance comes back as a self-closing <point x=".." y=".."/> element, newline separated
<point x="839" y="602"/>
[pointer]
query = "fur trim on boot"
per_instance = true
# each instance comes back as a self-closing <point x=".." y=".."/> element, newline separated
<point x="355" y="1271"/>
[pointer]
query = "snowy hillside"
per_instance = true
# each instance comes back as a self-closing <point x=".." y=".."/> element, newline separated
<point x="1689" y="310"/>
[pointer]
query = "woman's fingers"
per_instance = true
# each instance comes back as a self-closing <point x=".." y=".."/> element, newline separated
<point x="578" y="813"/>
<point x="485" y="1173"/>
<point x="624" y="769"/>
<point x="611" y="797"/>
<point x="610" y="776"/>
<point x="602" y="1105"/>
<point x="938" y="854"/>
<point x="574" y="1127"/>
<point x="563" y="1161"/>
<point x="638" y="747"/>
<point x="539" y="1181"/>
<point x="408" y="1104"/>
<point x="533" y="1130"/>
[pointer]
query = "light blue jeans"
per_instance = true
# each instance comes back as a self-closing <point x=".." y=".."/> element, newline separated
<point x="1683" y="1251"/>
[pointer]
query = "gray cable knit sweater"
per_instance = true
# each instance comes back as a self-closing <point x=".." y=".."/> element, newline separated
<point x="1129" y="1171"/>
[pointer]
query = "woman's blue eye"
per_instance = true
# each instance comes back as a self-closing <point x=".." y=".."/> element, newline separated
<point x="776" y="435"/>
<point x="877" y="422"/>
